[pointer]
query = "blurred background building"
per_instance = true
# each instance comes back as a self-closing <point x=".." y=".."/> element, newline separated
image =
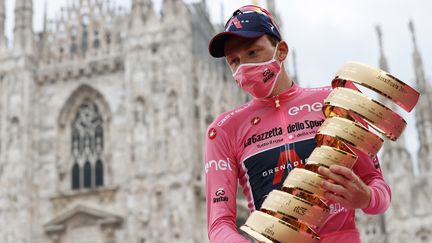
<point x="102" y="119"/>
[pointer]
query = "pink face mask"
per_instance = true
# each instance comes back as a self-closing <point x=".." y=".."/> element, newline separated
<point x="258" y="79"/>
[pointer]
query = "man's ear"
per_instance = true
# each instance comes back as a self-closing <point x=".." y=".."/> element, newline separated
<point x="283" y="51"/>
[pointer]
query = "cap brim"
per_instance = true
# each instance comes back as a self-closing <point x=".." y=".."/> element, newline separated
<point x="217" y="44"/>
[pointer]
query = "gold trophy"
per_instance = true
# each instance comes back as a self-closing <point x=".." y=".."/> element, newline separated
<point x="294" y="213"/>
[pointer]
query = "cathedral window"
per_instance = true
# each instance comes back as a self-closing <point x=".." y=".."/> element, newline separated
<point x="87" y="147"/>
<point x="99" y="173"/>
<point x="75" y="177"/>
<point x="139" y="113"/>
<point x="108" y="38"/>
<point x="87" y="175"/>
<point x="96" y="42"/>
<point x="84" y="40"/>
<point x="73" y="46"/>
<point x="154" y="48"/>
<point x="196" y="112"/>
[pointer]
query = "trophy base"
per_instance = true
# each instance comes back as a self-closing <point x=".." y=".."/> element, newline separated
<point x="257" y="236"/>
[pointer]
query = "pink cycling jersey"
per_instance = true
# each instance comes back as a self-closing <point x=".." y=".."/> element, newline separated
<point x="258" y="144"/>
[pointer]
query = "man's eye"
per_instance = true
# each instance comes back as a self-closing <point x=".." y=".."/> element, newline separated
<point x="252" y="53"/>
<point x="234" y="62"/>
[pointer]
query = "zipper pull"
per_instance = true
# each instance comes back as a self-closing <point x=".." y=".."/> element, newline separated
<point x="276" y="98"/>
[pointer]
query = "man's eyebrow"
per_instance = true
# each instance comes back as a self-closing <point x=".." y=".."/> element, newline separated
<point x="231" y="49"/>
<point x="255" y="47"/>
<point x="246" y="42"/>
<point x="247" y="46"/>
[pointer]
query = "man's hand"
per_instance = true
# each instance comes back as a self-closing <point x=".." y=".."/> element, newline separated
<point x="345" y="187"/>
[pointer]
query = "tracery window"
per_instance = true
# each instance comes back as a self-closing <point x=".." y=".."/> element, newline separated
<point x="87" y="175"/>
<point x="84" y="40"/>
<point x="139" y="113"/>
<point x="75" y="176"/>
<point x="87" y="147"/>
<point x="99" y="173"/>
<point x="108" y="38"/>
<point x="96" y="42"/>
<point x="74" y="46"/>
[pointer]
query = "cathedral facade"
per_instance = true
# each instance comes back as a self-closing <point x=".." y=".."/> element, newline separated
<point x="102" y="119"/>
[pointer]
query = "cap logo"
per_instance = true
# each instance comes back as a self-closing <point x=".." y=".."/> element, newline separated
<point x="237" y="23"/>
<point x="272" y="27"/>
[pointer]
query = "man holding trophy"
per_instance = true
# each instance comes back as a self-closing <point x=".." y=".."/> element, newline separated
<point x="261" y="142"/>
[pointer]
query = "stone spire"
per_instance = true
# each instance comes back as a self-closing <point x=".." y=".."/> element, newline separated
<point x="141" y="12"/>
<point x="3" y="40"/>
<point x="271" y="6"/>
<point x="423" y="112"/>
<point x="222" y="14"/>
<point x="169" y="7"/>
<point x="205" y="7"/>
<point x="399" y="175"/>
<point x="23" y="31"/>
<point x="382" y="60"/>
<point x="45" y="17"/>
<point x="418" y="62"/>
<point x="383" y="64"/>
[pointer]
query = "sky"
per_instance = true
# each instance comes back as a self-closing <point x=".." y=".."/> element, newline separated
<point x="324" y="35"/>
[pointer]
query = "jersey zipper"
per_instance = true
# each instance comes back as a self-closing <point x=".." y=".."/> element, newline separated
<point x="277" y="102"/>
<point x="282" y="120"/>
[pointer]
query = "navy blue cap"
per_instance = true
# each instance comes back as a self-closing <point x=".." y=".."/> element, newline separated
<point x="247" y="25"/>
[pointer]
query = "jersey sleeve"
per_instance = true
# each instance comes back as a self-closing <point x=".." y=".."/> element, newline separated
<point x="221" y="173"/>
<point x="368" y="169"/>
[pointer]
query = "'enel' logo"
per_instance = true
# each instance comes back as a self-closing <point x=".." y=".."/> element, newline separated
<point x="317" y="106"/>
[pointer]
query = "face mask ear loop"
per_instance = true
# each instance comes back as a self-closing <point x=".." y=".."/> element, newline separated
<point x="234" y="74"/>
<point x="275" y="52"/>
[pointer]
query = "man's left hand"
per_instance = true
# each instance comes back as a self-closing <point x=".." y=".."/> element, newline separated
<point x="345" y="187"/>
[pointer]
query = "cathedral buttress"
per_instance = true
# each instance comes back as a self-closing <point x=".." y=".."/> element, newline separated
<point x="23" y="30"/>
<point x="3" y="40"/>
<point x="18" y="159"/>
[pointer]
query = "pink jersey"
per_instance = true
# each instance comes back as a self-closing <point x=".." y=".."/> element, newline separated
<point x="257" y="145"/>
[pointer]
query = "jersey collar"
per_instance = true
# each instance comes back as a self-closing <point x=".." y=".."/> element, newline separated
<point x="289" y="94"/>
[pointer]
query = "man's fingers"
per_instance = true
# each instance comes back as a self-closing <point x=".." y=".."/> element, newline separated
<point x="335" y="188"/>
<point x="339" y="179"/>
<point x="344" y="187"/>
<point x="344" y="171"/>
<point x="336" y="198"/>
